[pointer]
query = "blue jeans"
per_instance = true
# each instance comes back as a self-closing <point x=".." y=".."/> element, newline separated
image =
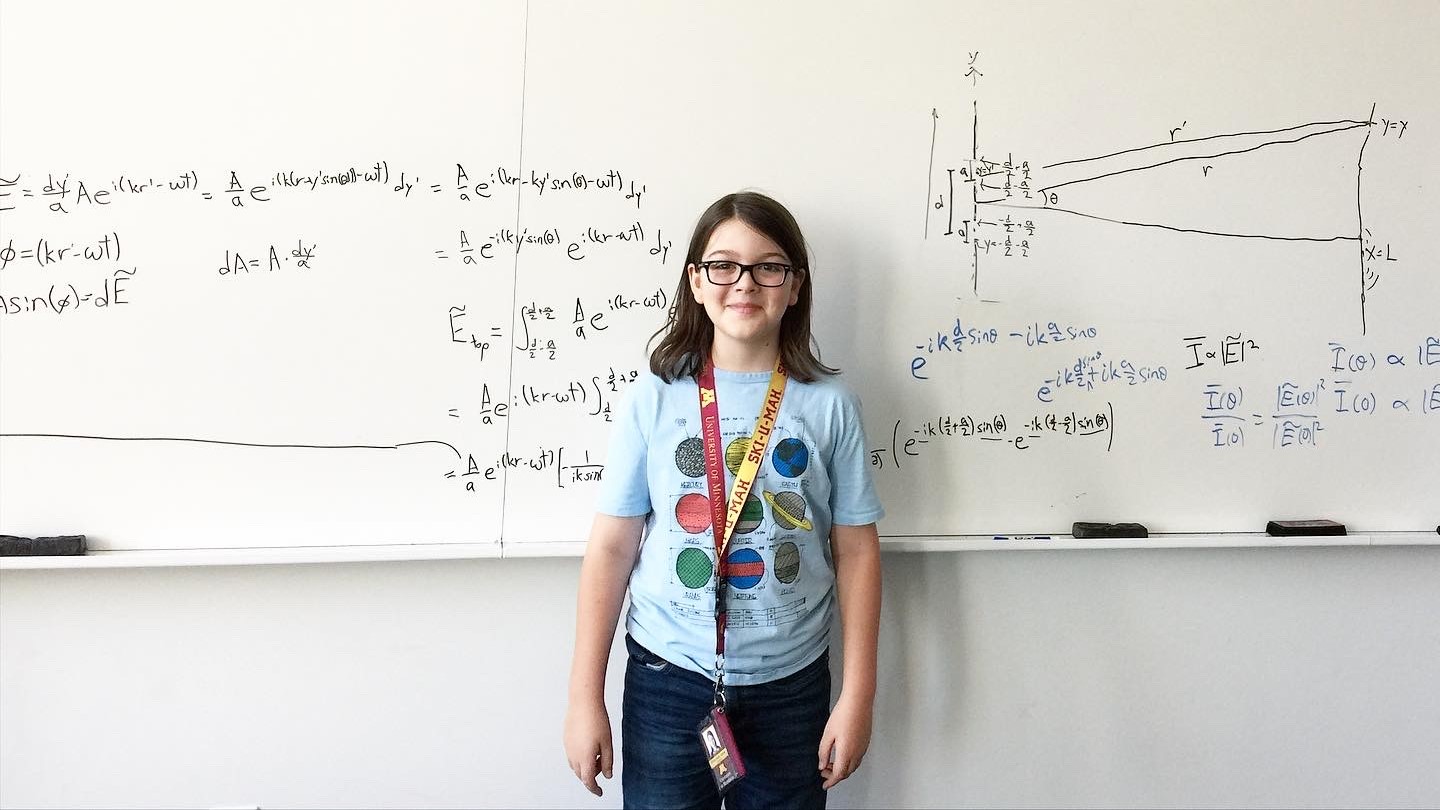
<point x="777" y="728"/>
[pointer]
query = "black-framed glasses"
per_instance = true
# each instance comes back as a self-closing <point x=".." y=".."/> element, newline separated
<point x="766" y="274"/>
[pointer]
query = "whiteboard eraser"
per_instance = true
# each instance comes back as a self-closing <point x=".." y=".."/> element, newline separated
<point x="14" y="546"/>
<point x="1303" y="528"/>
<point x="1081" y="529"/>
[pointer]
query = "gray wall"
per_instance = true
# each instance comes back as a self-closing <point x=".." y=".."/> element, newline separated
<point x="1249" y="677"/>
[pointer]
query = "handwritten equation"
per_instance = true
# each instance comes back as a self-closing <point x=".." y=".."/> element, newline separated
<point x="910" y="440"/>
<point x="1298" y="412"/>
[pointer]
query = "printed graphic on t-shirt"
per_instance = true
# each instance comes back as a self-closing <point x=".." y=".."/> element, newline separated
<point x="764" y="561"/>
<point x="690" y="457"/>
<point x="694" y="570"/>
<point x="787" y="562"/>
<point x="693" y="612"/>
<point x="767" y="616"/>
<point x="790" y="457"/>
<point x="752" y="514"/>
<point x="735" y="453"/>
<point x="692" y="512"/>
<point x="746" y="568"/>
<point x="694" y="567"/>
<point x="788" y="509"/>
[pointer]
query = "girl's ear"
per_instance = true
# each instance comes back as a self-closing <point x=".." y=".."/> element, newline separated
<point x="695" y="280"/>
<point x="798" y="280"/>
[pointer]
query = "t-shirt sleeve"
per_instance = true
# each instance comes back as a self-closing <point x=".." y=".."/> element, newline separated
<point x="624" y="484"/>
<point x="853" y="501"/>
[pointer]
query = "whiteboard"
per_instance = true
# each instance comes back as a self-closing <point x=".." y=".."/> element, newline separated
<point x="333" y="274"/>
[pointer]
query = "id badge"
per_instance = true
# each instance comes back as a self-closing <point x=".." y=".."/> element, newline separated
<point x="720" y="750"/>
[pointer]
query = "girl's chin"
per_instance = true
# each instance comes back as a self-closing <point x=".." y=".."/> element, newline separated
<point x="748" y="330"/>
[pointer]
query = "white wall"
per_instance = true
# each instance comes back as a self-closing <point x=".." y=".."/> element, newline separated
<point x="1248" y="677"/>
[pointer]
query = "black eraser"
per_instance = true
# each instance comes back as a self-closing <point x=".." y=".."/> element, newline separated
<point x="1102" y="530"/>
<point x="1304" y="528"/>
<point x="67" y="545"/>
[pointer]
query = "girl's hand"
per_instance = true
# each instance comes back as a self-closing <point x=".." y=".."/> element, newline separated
<point x="845" y="741"/>
<point x="588" y="746"/>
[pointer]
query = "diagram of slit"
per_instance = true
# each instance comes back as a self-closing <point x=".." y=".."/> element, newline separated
<point x="1293" y="184"/>
<point x="1299" y="184"/>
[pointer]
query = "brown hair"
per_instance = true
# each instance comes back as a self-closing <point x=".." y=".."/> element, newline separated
<point x="688" y="332"/>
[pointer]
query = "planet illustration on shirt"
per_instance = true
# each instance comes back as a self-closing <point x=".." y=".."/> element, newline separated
<point x="791" y="457"/>
<point x="694" y="568"/>
<point x="735" y="454"/>
<point x="692" y="512"/>
<point x="690" y="457"/>
<point x="789" y="510"/>
<point x="751" y="515"/>
<point x="787" y="562"/>
<point x="744" y="568"/>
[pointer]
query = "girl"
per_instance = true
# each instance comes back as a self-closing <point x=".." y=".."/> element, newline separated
<point x="741" y="463"/>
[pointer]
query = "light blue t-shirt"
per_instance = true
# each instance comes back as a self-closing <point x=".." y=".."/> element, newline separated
<point x="815" y="474"/>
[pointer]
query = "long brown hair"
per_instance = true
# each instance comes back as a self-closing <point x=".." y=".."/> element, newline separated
<point x="688" y="332"/>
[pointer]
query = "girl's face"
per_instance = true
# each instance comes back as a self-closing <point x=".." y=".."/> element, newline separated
<point x="745" y="314"/>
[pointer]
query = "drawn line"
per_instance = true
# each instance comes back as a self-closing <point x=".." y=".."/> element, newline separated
<point x="226" y="443"/>
<point x="1203" y="157"/>
<point x="515" y="277"/>
<point x="1360" y="219"/>
<point x="1206" y="138"/>
<point x="1183" y="230"/>
<point x="1111" y="444"/>
<point x="433" y="441"/>
<point x="930" y="172"/>
<point x="974" y="200"/>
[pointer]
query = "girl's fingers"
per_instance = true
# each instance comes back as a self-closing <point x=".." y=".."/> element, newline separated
<point x="587" y="771"/>
<point x="843" y="767"/>
<point x="827" y="745"/>
<point x="833" y="772"/>
<point x="587" y="778"/>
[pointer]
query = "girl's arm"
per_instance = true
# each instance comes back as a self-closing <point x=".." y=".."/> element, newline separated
<point x="609" y="557"/>
<point x="856" y="551"/>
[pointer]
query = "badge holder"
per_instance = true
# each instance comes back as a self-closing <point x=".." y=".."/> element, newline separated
<point x="721" y="752"/>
